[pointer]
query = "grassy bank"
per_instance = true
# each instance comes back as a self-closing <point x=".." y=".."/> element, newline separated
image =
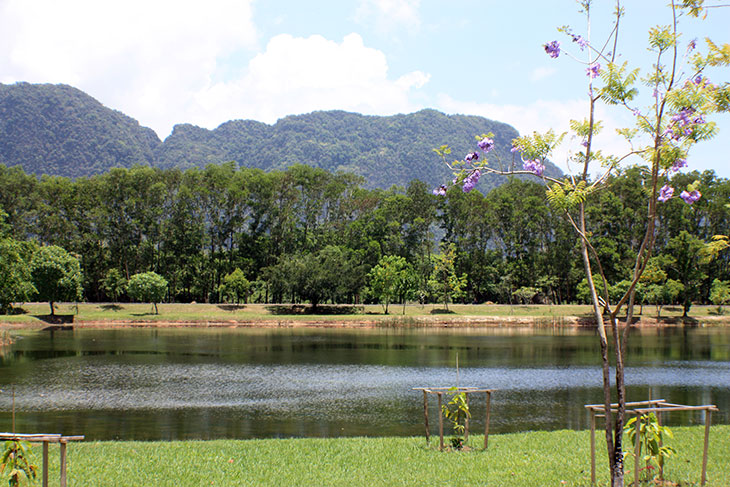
<point x="37" y="314"/>
<point x="524" y="459"/>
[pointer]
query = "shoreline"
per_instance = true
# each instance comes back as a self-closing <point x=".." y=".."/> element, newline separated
<point x="352" y="322"/>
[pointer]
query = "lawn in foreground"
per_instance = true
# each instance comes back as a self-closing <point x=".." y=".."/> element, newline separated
<point x="524" y="459"/>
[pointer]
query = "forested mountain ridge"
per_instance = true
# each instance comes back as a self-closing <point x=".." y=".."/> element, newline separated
<point x="60" y="130"/>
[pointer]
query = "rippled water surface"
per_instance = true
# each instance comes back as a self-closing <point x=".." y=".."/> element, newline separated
<point x="239" y="383"/>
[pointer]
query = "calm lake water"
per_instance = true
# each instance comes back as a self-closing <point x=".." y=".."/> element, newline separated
<point x="152" y="384"/>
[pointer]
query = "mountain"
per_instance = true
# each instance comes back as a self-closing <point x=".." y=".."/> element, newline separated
<point x="59" y="130"/>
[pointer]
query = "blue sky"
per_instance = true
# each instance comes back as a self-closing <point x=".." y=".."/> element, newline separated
<point x="165" y="62"/>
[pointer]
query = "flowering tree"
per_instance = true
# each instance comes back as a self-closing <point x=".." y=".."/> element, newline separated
<point x="676" y="118"/>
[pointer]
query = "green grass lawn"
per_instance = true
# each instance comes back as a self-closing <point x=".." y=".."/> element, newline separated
<point x="560" y="458"/>
<point x="259" y="312"/>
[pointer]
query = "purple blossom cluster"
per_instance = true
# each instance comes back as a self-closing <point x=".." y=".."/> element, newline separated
<point x="666" y="193"/>
<point x="682" y="123"/>
<point x="678" y="164"/>
<point x="471" y="180"/>
<point x="593" y="70"/>
<point x="690" y="197"/>
<point x="553" y="49"/>
<point x="534" y="166"/>
<point x="486" y="144"/>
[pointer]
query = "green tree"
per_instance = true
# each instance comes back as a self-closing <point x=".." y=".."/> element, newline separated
<point x="56" y="275"/>
<point x="720" y="293"/>
<point x="236" y="285"/>
<point x="15" y="276"/>
<point x="391" y="279"/>
<point x="114" y="284"/>
<point x="147" y="287"/>
<point x="444" y="282"/>
<point x="675" y="119"/>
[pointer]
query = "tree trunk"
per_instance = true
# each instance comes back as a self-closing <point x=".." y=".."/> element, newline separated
<point x="53" y="312"/>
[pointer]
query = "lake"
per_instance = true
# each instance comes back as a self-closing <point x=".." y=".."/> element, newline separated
<point x="188" y="383"/>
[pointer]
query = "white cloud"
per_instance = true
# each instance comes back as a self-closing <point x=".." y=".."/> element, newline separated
<point x="298" y="75"/>
<point x="543" y="115"/>
<point x="390" y="15"/>
<point x="144" y="58"/>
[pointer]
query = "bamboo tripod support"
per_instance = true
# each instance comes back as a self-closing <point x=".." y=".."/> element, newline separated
<point x="439" y="392"/>
<point x="641" y="408"/>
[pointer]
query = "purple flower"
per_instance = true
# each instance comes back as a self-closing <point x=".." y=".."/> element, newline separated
<point x="516" y="148"/>
<point x="552" y="49"/>
<point x="581" y="41"/>
<point x="692" y="45"/>
<point x="534" y="167"/>
<point x="593" y="70"/>
<point x="471" y="180"/>
<point x="690" y="198"/>
<point x="472" y="156"/>
<point x="665" y="193"/>
<point x="637" y="112"/>
<point x="486" y="144"/>
<point x="440" y="191"/>
<point x="678" y="164"/>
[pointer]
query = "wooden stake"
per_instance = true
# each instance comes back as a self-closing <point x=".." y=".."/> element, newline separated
<point x="708" y="421"/>
<point x="425" y="415"/>
<point x="486" y="420"/>
<point x="441" y="424"/>
<point x="45" y="464"/>
<point x="593" y="447"/>
<point x="466" y="419"/>
<point x="63" y="464"/>
<point x="637" y="450"/>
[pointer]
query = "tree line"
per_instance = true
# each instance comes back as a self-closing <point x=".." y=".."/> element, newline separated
<point x="305" y="235"/>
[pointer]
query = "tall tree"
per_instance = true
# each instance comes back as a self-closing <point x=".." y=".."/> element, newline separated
<point x="676" y="118"/>
<point x="56" y="275"/>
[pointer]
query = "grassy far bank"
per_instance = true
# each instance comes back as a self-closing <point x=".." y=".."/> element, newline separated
<point x="560" y="458"/>
<point x="373" y="314"/>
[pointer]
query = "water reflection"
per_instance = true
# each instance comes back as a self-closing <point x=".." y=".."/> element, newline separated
<point x="238" y="383"/>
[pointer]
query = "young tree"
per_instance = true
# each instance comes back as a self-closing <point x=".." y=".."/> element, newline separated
<point x="720" y="293"/>
<point x="235" y="284"/>
<point x="56" y="275"/>
<point x="682" y="98"/>
<point x="114" y="284"/>
<point x="391" y="279"/>
<point x="444" y="282"/>
<point x="147" y="287"/>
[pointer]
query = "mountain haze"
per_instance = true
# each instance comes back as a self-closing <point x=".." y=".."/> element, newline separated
<point x="60" y="130"/>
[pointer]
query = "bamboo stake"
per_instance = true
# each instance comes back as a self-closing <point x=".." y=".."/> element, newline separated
<point x="45" y="464"/>
<point x="486" y="420"/>
<point x="425" y="415"/>
<point x="708" y="421"/>
<point x="466" y="419"/>
<point x="637" y="451"/>
<point x="441" y="423"/>
<point x="63" y="463"/>
<point x="593" y="447"/>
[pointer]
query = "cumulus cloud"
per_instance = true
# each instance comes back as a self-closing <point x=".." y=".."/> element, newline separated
<point x="298" y="75"/>
<point x="390" y="15"/>
<point x="145" y="58"/>
<point x="543" y="115"/>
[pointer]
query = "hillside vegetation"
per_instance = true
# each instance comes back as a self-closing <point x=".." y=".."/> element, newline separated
<point x="61" y="131"/>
